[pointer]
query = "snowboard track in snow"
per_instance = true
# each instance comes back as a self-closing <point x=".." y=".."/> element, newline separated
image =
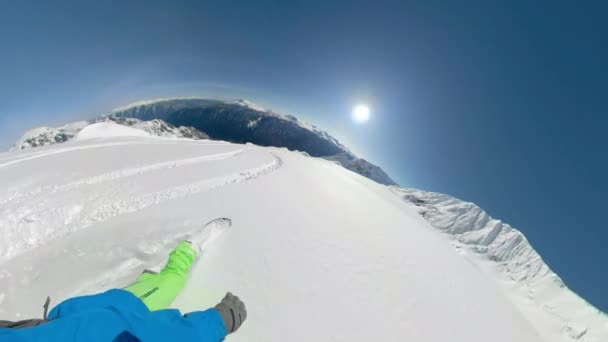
<point x="115" y="175"/>
<point x="112" y="209"/>
<point x="41" y="154"/>
<point x="135" y="211"/>
<point x="108" y="208"/>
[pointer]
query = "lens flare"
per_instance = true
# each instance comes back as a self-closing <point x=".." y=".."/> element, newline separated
<point x="361" y="113"/>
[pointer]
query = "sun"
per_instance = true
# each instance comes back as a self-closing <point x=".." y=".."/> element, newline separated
<point x="361" y="113"/>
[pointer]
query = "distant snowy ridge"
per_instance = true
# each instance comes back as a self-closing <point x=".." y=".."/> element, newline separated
<point x="45" y="136"/>
<point x="160" y="128"/>
<point x="164" y="108"/>
<point x="305" y="125"/>
<point x="362" y="167"/>
<point x="558" y="313"/>
<point x="155" y="101"/>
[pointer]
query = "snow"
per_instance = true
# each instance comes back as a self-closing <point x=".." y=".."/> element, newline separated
<point x="505" y="254"/>
<point x="148" y="102"/>
<point x="109" y="129"/>
<point x="362" y="167"/>
<point x="151" y="102"/>
<point x="253" y="123"/>
<point x="248" y="104"/>
<point x="287" y="117"/>
<point x="43" y="136"/>
<point x="317" y="253"/>
<point x="162" y="106"/>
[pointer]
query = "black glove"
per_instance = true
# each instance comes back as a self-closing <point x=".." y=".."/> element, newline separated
<point x="233" y="312"/>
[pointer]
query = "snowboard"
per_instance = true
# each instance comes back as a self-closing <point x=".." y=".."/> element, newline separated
<point x="108" y="255"/>
<point x="202" y="238"/>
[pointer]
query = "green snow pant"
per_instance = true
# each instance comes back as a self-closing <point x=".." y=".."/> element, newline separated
<point x="158" y="290"/>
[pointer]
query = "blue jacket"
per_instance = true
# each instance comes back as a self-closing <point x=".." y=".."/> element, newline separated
<point x="119" y="316"/>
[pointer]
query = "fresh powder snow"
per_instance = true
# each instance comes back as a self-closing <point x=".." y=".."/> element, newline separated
<point x="318" y="253"/>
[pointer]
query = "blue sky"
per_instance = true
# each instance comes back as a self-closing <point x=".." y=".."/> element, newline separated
<point x="500" y="103"/>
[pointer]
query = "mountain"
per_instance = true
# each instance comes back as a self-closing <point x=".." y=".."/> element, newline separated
<point x="504" y="252"/>
<point x="242" y="121"/>
<point x="45" y="136"/>
<point x="160" y="128"/>
<point x="317" y="253"/>
<point x="362" y="167"/>
<point x="356" y="260"/>
<point x="237" y="121"/>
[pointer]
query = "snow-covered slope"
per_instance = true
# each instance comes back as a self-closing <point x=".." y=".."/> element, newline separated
<point x="318" y="253"/>
<point x="504" y="253"/>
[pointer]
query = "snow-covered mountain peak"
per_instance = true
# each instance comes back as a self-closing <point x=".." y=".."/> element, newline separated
<point x="43" y="136"/>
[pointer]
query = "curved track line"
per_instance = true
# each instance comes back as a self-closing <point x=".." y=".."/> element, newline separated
<point x="24" y="238"/>
<point x="37" y="155"/>
<point x="64" y="150"/>
<point x="112" y="209"/>
<point x="122" y="173"/>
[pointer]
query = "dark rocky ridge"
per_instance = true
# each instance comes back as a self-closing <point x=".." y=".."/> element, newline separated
<point x="242" y="122"/>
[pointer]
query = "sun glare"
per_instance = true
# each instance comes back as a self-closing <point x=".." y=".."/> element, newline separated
<point x="361" y="113"/>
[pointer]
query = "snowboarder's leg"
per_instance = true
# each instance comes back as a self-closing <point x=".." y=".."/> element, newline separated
<point x="158" y="291"/>
<point x="146" y="274"/>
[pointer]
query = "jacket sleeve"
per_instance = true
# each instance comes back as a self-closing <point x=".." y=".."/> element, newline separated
<point x="209" y="324"/>
<point x="120" y="300"/>
<point x="7" y="334"/>
<point x="170" y="325"/>
<point x="117" y="315"/>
